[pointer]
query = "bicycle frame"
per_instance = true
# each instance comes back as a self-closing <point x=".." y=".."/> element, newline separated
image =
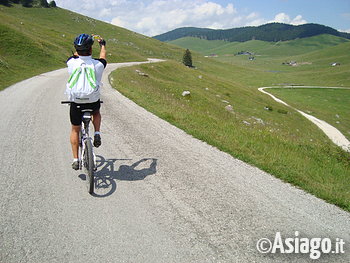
<point x="87" y="157"/>
<point x="84" y="135"/>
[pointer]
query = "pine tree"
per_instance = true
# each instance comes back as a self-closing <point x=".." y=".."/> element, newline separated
<point x="52" y="4"/>
<point x="187" y="58"/>
<point x="43" y="3"/>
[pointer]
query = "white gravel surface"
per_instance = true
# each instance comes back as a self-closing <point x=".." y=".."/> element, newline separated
<point x="168" y="197"/>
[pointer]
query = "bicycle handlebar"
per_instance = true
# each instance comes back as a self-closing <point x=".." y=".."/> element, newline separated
<point x="69" y="102"/>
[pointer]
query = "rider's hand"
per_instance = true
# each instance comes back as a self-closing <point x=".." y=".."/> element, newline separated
<point x="102" y="42"/>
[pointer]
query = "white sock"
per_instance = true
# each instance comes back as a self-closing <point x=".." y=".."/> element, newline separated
<point x="97" y="132"/>
<point x="75" y="160"/>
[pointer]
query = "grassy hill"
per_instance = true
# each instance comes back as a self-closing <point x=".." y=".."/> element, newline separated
<point x="314" y="56"/>
<point x="330" y="105"/>
<point x="199" y="45"/>
<point x="339" y="53"/>
<point x="282" y="48"/>
<point x="37" y="40"/>
<point x="279" y="141"/>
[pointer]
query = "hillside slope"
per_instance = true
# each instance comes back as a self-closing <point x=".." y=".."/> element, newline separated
<point x="225" y="110"/>
<point x="282" y="48"/>
<point x="37" y="40"/>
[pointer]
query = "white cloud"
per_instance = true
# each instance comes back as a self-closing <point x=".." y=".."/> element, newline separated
<point x="284" y="18"/>
<point x="152" y="17"/>
<point x="208" y="9"/>
<point x="155" y="17"/>
<point x="298" y="20"/>
<point x="105" y="12"/>
<point x="118" y="22"/>
<point x="253" y="15"/>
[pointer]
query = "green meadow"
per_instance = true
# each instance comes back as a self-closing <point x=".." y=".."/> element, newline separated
<point x="279" y="141"/>
<point x="224" y="109"/>
<point x="292" y="47"/>
<point x="330" y="105"/>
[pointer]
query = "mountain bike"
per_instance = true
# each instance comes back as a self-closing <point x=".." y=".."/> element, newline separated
<point x="87" y="157"/>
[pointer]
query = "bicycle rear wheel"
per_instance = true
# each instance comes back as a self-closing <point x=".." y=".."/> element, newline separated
<point x="89" y="166"/>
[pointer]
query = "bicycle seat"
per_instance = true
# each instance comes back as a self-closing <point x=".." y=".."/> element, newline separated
<point x="86" y="116"/>
<point x="87" y="113"/>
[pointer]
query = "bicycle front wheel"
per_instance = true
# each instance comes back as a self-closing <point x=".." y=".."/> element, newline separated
<point x="89" y="166"/>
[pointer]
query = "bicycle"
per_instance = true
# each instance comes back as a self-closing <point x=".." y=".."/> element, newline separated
<point x="87" y="157"/>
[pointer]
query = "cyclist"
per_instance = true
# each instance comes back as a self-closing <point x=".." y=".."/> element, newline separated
<point x="83" y="46"/>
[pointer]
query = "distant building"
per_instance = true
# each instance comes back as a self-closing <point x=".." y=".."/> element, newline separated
<point x="247" y="53"/>
<point x="290" y="63"/>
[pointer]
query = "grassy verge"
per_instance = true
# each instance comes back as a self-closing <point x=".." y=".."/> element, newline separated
<point x="278" y="141"/>
<point x="37" y="40"/>
<point x="330" y="105"/>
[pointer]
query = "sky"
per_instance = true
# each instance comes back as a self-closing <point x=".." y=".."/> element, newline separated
<point x="153" y="17"/>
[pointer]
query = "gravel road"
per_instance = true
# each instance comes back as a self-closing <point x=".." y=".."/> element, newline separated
<point x="163" y="195"/>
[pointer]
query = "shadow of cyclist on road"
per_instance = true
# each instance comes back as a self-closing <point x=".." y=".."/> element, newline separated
<point x="137" y="171"/>
<point x="106" y="173"/>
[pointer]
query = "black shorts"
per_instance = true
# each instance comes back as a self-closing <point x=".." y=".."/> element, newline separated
<point x="76" y="114"/>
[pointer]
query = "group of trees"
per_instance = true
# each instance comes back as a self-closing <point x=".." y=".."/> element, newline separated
<point x="270" y="32"/>
<point x="29" y="3"/>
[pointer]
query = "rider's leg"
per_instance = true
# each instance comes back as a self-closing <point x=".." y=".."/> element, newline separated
<point x="74" y="140"/>
<point x="96" y="120"/>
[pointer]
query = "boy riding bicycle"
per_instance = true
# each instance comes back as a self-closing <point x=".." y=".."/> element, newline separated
<point x="83" y="88"/>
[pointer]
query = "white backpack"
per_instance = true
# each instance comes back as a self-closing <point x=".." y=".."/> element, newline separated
<point x="82" y="86"/>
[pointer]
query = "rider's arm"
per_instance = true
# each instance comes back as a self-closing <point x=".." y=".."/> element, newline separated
<point x="103" y="51"/>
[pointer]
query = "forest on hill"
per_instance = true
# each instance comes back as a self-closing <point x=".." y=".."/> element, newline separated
<point x="29" y="3"/>
<point x="272" y="32"/>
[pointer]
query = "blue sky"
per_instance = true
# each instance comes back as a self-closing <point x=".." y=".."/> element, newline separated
<point x="333" y="13"/>
<point x="152" y="17"/>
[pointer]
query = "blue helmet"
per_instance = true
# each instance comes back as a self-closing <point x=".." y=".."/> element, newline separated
<point x="83" y="42"/>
